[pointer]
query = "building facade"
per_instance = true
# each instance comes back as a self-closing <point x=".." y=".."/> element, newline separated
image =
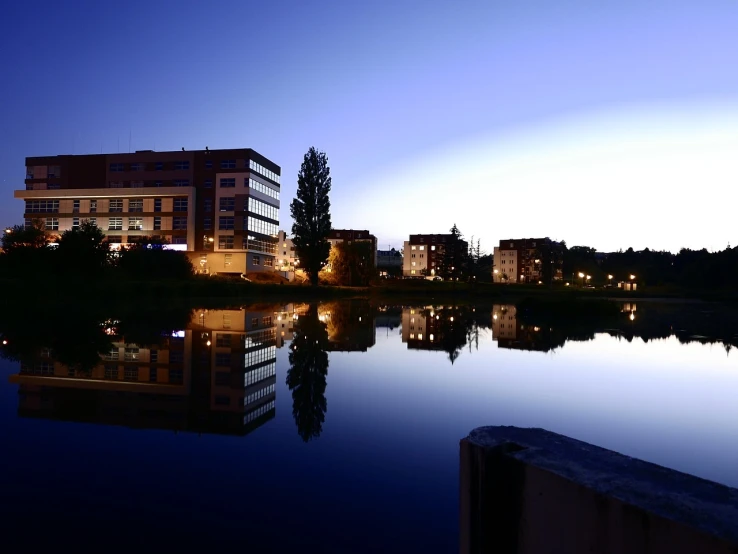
<point x="349" y="236"/>
<point x="220" y="206"/>
<point x="422" y="254"/>
<point x="522" y="261"/>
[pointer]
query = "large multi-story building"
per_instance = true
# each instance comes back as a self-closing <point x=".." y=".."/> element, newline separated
<point x="522" y="261"/>
<point x="221" y="206"/>
<point x="422" y="254"/>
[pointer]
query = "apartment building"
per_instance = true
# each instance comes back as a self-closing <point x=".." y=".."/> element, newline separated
<point x="422" y="253"/>
<point x="286" y="259"/>
<point x="220" y="206"/>
<point x="522" y="261"/>
<point x="349" y="235"/>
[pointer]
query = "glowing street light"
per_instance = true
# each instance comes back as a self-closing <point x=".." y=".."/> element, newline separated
<point x="632" y="277"/>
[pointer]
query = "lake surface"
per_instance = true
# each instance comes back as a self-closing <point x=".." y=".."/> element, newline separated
<point x="332" y="427"/>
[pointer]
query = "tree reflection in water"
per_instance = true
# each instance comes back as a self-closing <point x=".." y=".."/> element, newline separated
<point x="308" y="372"/>
<point x="91" y="332"/>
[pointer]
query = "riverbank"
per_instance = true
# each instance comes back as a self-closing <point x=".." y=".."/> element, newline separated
<point x="401" y="291"/>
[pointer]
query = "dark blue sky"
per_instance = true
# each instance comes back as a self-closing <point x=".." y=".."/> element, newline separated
<point x="430" y="112"/>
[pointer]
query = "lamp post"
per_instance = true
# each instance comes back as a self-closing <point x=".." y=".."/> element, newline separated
<point x="609" y="280"/>
<point x="581" y="276"/>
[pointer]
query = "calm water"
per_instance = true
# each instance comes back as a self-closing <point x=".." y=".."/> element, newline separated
<point x="332" y="427"/>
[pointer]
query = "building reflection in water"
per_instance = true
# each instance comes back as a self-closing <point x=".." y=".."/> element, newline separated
<point x="443" y="328"/>
<point x="217" y="375"/>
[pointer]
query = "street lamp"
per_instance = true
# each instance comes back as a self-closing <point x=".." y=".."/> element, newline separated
<point x="581" y="276"/>
<point x="632" y="277"/>
<point x="8" y="230"/>
<point x="609" y="279"/>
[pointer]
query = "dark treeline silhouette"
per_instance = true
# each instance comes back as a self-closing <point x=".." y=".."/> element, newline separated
<point x="687" y="268"/>
<point x="84" y="255"/>
<point x="79" y="343"/>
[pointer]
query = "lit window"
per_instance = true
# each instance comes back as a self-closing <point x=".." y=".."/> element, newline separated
<point x="433" y="247"/>
<point x="422" y="248"/>
<point x="412" y="248"/>
<point x="135" y="205"/>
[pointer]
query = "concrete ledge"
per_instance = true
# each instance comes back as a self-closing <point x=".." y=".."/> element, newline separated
<point x="533" y="491"/>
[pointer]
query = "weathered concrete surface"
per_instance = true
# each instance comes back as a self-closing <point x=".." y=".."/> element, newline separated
<point x="534" y="492"/>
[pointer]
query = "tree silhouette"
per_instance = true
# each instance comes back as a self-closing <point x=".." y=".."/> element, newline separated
<point x="308" y="372"/>
<point x="311" y="212"/>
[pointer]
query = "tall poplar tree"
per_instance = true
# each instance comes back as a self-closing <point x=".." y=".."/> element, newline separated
<point x="311" y="212"/>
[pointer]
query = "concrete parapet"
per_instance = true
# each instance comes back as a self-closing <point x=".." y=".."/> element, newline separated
<point x="535" y="492"/>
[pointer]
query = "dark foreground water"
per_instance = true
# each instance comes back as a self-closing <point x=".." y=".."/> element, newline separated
<point x="332" y="427"/>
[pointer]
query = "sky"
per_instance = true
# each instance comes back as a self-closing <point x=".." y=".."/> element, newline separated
<point x="611" y="124"/>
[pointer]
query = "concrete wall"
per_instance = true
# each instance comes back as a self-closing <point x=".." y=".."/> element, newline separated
<point x="531" y="491"/>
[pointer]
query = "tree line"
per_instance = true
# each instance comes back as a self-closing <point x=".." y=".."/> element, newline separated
<point x="687" y="268"/>
<point x="84" y="254"/>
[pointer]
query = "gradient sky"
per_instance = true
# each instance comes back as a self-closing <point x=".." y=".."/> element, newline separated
<point x="609" y="123"/>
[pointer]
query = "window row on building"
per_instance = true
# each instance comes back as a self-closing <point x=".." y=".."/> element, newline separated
<point x="258" y="395"/>
<point x="132" y="205"/>
<point x="263" y="171"/>
<point x="259" y="374"/>
<point x="262" y="188"/>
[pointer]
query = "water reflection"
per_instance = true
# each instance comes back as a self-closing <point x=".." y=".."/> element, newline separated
<point x="308" y="372"/>
<point x="445" y="328"/>
<point x="204" y="371"/>
<point x="214" y="370"/>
